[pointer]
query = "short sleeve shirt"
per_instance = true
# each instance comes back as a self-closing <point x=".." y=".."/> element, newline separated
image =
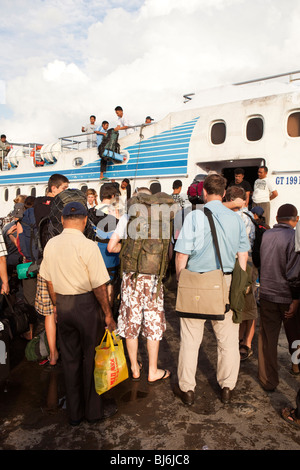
<point x="262" y="189"/>
<point x="125" y="121"/>
<point x="99" y="136"/>
<point x="73" y="264"/>
<point x="244" y="184"/>
<point x="195" y="238"/>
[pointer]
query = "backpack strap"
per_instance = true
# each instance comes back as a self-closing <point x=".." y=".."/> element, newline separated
<point x="208" y="214"/>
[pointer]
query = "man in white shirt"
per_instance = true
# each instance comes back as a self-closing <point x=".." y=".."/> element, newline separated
<point x="124" y="122"/>
<point x="263" y="192"/>
<point x="88" y="128"/>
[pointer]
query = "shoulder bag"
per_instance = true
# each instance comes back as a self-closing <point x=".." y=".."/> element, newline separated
<point x="203" y="295"/>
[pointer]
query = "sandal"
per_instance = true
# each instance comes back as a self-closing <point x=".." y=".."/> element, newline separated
<point x="137" y="379"/>
<point x="293" y="371"/>
<point x="290" y="417"/>
<point x="248" y="352"/>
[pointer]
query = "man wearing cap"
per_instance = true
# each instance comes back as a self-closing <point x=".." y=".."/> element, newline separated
<point x="279" y="295"/>
<point x="148" y="120"/>
<point x="76" y="277"/>
<point x="263" y="192"/>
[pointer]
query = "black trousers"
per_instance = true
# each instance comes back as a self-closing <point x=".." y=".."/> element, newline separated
<point x="271" y="320"/>
<point x="80" y="329"/>
<point x="103" y="161"/>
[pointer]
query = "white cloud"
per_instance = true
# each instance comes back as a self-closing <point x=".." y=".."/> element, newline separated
<point x="66" y="60"/>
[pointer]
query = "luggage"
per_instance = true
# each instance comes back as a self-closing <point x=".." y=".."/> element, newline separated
<point x="59" y="201"/>
<point x="109" y="145"/>
<point x="17" y="316"/>
<point x="37" y="349"/>
<point x="149" y="229"/>
<point x="5" y="338"/>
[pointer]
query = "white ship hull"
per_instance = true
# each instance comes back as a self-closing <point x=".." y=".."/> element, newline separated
<point x="250" y="126"/>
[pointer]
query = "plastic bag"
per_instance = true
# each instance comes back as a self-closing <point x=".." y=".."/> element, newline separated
<point x="25" y="271"/>
<point x="110" y="363"/>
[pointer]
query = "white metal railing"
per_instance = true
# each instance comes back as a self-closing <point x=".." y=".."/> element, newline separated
<point x="82" y="141"/>
<point x="33" y="150"/>
<point x="11" y="158"/>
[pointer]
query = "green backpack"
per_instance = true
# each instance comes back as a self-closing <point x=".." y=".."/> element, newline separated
<point x="110" y="142"/>
<point x="149" y="230"/>
<point x="38" y="348"/>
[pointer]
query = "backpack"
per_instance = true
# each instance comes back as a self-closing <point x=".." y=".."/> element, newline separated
<point x="104" y="226"/>
<point x="59" y="201"/>
<point x="34" y="236"/>
<point x="28" y="239"/>
<point x="259" y="231"/>
<point x="109" y="142"/>
<point x="195" y="190"/>
<point x="142" y="254"/>
<point x="38" y="348"/>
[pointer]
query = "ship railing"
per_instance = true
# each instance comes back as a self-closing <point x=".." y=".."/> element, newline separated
<point x="18" y="150"/>
<point x="84" y="140"/>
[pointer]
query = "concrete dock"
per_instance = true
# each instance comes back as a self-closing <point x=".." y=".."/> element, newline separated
<point x="33" y="415"/>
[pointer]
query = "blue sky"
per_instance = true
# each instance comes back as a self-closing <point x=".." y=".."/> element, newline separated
<point x="64" y="60"/>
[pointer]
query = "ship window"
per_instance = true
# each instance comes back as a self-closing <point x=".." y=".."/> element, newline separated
<point x="84" y="188"/>
<point x="18" y="192"/>
<point x="78" y="161"/>
<point x="6" y="194"/>
<point x="218" y="133"/>
<point x="33" y="192"/>
<point x="293" y="124"/>
<point x="255" y="129"/>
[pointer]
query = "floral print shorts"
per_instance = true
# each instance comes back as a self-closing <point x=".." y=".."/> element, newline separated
<point x="140" y="310"/>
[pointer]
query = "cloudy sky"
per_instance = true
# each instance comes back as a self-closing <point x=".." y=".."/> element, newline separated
<point x="62" y="60"/>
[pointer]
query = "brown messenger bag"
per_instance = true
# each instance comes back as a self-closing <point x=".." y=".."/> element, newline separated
<point x="203" y="295"/>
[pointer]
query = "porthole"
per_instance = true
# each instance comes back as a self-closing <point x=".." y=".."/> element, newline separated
<point x="33" y="192"/>
<point x="6" y="194"/>
<point x="293" y="124"/>
<point x="254" y="129"/>
<point x="18" y="192"/>
<point x="218" y="133"/>
<point x="84" y="188"/>
<point x="78" y="161"/>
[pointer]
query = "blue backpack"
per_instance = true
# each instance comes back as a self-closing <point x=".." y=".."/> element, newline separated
<point x="111" y="260"/>
<point x="29" y="237"/>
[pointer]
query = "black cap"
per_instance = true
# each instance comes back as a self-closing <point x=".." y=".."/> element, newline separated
<point x="74" y="208"/>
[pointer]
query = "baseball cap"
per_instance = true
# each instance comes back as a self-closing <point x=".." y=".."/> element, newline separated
<point x="257" y="210"/>
<point x="74" y="208"/>
<point x="286" y="211"/>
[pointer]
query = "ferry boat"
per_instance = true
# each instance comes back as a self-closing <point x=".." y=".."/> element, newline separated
<point x="243" y="125"/>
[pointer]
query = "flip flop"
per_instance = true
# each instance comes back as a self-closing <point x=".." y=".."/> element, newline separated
<point x="289" y="416"/>
<point x="248" y="352"/>
<point x="137" y="379"/>
<point x="164" y="377"/>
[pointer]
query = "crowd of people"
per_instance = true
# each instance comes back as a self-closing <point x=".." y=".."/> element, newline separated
<point x="116" y="280"/>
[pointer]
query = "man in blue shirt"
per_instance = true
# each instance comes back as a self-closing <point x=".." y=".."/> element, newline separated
<point x="101" y="132"/>
<point x="196" y="252"/>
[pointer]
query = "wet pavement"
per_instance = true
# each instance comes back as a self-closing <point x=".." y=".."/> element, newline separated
<point x="33" y="415"/>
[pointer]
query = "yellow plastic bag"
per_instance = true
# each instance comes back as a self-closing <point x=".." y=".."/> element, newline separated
<point x="110" y="363"/>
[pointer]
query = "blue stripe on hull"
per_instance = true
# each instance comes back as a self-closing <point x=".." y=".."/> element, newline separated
<point x="161" y="155"/>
